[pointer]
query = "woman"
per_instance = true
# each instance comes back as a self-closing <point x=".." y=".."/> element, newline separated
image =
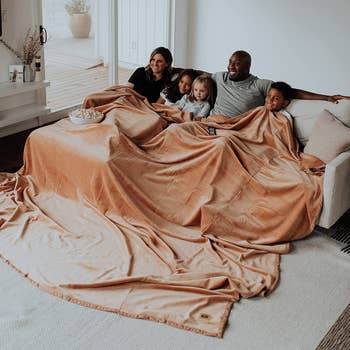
<point x="149" y="81"/>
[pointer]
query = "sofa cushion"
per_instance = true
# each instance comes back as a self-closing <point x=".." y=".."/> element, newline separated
<point x="305" y="113"/>
<point x="329" y="137"/>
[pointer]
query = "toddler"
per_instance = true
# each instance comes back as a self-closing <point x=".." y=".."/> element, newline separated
<point x="201" y="99"/>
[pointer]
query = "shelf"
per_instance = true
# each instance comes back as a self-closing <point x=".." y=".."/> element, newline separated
<point x="10" y="89"/>
<point x="19" y="114"/>
<point x="22" y="106"/>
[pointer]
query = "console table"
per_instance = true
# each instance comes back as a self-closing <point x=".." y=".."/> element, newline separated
<point x="22" y="106"/>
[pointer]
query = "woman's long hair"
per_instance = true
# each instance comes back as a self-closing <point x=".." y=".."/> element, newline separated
<point x="168" y="57"/>
<point x="172" y="91"/>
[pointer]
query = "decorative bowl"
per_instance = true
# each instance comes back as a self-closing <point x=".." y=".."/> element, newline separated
<point x="85" y="116"/>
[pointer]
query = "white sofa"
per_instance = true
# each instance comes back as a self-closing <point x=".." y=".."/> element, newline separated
<point x="336" y="186"/>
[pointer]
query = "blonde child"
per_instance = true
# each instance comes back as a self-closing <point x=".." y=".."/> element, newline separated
<point x="201" y="99"/>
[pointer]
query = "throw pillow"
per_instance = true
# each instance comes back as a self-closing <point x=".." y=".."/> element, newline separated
<point x="329" y="137"/>
<point x="304" y="114"/>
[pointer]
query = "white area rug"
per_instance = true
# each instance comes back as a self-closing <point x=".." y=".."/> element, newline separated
<point x="313" y="291"/>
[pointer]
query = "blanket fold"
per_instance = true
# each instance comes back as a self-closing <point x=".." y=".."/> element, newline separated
<point x="147" y="215"/>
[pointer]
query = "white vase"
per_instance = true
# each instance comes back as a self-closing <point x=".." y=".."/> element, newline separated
<point x="28" y="74"/>
<point x="80" y="25"/>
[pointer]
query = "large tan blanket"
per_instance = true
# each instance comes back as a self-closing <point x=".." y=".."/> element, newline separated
<point x="147" y="215"/>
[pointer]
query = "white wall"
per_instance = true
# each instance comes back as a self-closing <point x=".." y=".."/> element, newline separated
<point x="142" y="26"/>
<point x="179" y="31"/>
<point x="303" y="42"/>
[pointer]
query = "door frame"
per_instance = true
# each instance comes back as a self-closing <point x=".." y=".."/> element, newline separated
<point x="113" y="42"/>
<point x="37" y="20"/>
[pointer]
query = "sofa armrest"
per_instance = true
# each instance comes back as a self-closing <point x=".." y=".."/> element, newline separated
<point x="336" y="190"/>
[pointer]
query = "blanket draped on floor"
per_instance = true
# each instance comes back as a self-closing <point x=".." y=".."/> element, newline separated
<point x="147" y="215"/>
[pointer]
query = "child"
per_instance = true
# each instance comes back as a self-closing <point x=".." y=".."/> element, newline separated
<point x="279" y="97"/>
<point x="201" y="98"/>
<point x="176" y="89"/>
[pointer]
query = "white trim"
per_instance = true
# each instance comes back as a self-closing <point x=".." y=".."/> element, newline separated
<point x="169" y="22"/>
<point x="179" y="31"/>
<point x="171" y="26"/>
<point x="113" y="42"/>
<point x="37" y="20"/>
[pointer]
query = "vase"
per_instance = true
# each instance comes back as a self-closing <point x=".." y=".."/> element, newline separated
<point x="28" y="74"/>
<point x="80" y="25"/>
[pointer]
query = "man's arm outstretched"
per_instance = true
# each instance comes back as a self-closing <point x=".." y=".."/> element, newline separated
<point x="307" y="95"/>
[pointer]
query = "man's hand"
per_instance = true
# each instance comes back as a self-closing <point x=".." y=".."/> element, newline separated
<point x="336" y="98"/>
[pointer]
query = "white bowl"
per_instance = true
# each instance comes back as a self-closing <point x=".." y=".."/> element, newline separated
<point x="85" y="116"/>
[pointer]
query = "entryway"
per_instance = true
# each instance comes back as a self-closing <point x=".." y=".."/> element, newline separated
<point x="75" y="66"/>
<point x="79" y="66"/>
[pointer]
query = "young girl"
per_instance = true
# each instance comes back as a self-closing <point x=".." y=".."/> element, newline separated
<point x="201" y="98"/>
<point x="176" y="89"/>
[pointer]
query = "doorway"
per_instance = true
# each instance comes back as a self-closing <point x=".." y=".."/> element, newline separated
<point x="122" y="35"/>
<point x="72" y="64"/>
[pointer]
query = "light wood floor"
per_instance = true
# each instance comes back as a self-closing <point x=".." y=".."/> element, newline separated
<point x="72" y="77"/>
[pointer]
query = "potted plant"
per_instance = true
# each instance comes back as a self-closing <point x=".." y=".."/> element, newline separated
<point x="80" y="19"/>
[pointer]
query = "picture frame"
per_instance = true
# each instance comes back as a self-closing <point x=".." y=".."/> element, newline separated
<point x="16" y="73"/>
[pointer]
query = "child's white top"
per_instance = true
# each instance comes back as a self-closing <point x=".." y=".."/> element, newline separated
<point x="200" y="108"/>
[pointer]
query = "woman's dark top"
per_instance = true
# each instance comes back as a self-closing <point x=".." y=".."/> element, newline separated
<point x="147" y="87"/>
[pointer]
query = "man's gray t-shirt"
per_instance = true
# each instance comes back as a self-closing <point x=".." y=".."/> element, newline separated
<point x="237" y="97"/>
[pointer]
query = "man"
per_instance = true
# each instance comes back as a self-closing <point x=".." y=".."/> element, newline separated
<point x="238" y="90"/>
